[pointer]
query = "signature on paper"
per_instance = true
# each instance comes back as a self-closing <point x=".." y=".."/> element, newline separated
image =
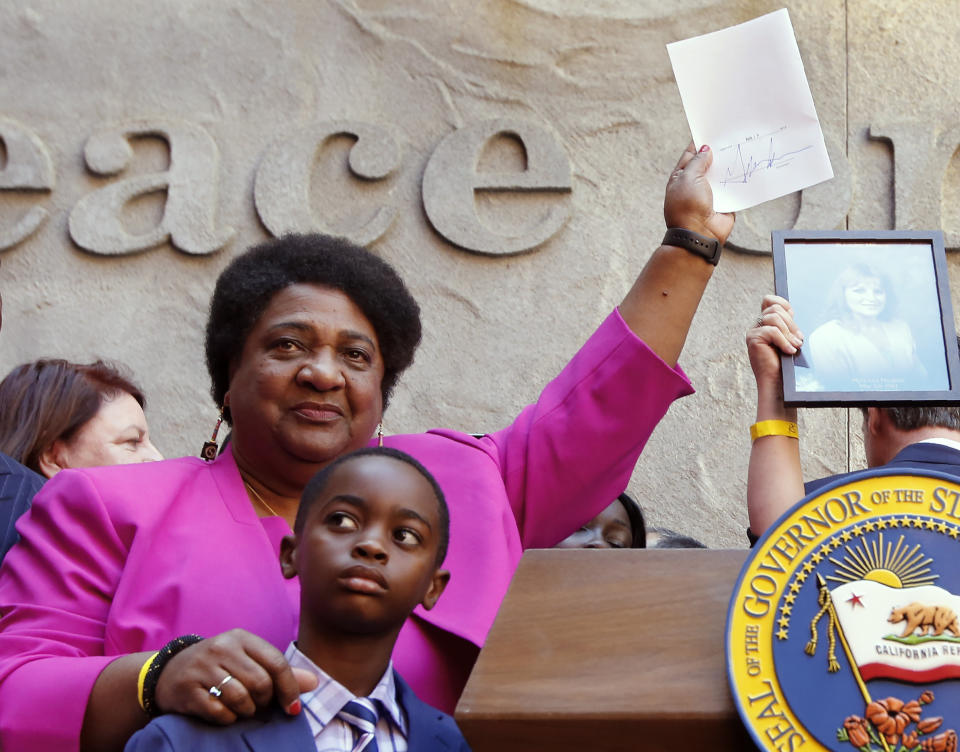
<point x="753" y="154"/>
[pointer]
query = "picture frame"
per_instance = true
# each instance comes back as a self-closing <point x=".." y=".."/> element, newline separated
<point x="876" y="314"/>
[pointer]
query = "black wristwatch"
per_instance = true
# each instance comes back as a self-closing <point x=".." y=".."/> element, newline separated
<point x="708" y="248"/>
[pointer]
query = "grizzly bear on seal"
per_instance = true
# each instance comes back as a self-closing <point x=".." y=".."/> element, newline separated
<point x="933" y="620"/>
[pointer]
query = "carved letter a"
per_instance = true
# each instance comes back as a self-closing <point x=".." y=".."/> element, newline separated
<point x="191" y="183"/>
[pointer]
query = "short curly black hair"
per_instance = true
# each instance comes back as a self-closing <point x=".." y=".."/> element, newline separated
<point x="246" y="286"/>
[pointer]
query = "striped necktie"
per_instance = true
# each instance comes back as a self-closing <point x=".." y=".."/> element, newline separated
<point x="361" y="713"/>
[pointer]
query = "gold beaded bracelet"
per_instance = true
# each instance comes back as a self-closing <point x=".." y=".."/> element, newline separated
<point x="774" y="428"/>
<point x="150" y="671"/>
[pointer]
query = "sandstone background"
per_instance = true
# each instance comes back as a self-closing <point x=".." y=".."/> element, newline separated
<point x="594" y="73"/>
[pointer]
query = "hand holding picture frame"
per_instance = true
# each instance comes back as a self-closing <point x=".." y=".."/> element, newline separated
<point x="875" y="309"/>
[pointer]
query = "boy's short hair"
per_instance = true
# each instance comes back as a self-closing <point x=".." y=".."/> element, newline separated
<point x="319" y="481"/>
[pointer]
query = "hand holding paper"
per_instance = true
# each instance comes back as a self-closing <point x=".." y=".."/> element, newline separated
<point x="688" y="201"/>
<point x="746" y="95"/>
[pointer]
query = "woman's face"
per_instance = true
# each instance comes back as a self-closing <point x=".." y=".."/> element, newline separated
<point x="306" y="387"/>
<point x="609" y="529"/>
<point x="116" y="435"/>
<point x="866" y="297"/>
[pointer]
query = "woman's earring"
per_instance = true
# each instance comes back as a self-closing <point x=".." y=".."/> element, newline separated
<point x="380" y="435"/>
<point x="209" y="451"/>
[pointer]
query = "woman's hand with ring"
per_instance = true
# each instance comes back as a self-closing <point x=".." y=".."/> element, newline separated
<point x="228" y="676"/>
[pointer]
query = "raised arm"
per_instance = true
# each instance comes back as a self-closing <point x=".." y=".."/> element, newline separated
<point x="774" y="480"/>
<point x="567" y="457"/>
<point x="660" y="306"/>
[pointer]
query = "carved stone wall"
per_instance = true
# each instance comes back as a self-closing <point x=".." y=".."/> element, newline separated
<point x="508" y="156"/>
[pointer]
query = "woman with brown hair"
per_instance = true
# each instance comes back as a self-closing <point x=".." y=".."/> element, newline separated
<point x="862" y="344"/>
<point x="55" y="414"/>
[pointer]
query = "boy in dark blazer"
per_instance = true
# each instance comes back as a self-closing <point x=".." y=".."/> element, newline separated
<point x="369" y="539"/>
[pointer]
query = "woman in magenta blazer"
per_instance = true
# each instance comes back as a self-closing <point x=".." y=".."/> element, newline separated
<point x="115" y="562"/>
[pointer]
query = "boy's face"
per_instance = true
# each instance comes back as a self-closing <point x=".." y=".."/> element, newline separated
<point x="367" y="554"/>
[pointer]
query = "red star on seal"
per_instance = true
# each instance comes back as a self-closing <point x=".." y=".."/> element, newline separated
<point x="855" y="601"/>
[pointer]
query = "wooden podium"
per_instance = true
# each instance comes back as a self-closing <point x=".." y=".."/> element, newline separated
<point x="608" y="650"/>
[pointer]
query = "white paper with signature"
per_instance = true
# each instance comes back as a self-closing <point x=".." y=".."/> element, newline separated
<point x="746" y="96"/>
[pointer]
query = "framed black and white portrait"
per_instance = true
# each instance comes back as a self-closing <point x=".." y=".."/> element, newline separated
<point x="875" y="310"/>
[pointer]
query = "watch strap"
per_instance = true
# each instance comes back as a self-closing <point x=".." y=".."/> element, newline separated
<point x="708" y="248"/>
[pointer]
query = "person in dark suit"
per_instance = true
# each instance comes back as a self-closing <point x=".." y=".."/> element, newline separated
<point x="427" y="729"/>
<point x="17" y="487"/>
<point x="18" y="484"/>
<point x="918" y="438"/>
<point x="923" y="437"/>
<point x="369" y="539"/>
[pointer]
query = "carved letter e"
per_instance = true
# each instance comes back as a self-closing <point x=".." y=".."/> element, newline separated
<point x="450" y="181"/>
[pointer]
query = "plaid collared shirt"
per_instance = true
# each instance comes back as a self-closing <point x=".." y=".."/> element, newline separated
<point x="332" y="734"/>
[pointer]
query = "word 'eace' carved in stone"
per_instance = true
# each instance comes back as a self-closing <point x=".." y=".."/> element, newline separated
<point x="451" y="186"/>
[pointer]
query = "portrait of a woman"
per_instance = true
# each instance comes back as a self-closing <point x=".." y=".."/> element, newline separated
<point x="862" y="344"/>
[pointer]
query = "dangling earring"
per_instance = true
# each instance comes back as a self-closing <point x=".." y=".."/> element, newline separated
<point x="209" y="451"/>
<point x="380" y="435"/>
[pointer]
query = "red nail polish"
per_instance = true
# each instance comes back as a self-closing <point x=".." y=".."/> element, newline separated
<point x="294" y="707"/>
<point x="704" y="148"/>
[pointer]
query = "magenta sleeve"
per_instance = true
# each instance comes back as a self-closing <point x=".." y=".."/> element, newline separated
<point x="56" y="588"/>
<point x="570" y="454"/>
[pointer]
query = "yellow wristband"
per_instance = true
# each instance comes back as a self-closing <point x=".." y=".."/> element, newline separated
<point x="774" y="428"/>
<point x="143" y="675"/>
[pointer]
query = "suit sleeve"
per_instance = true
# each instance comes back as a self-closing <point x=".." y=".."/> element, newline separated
<point x="17" y="488"/>
<point x="568" y="456"/>
<point x="151" y="738"/>
<point x="56" y="588"/>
